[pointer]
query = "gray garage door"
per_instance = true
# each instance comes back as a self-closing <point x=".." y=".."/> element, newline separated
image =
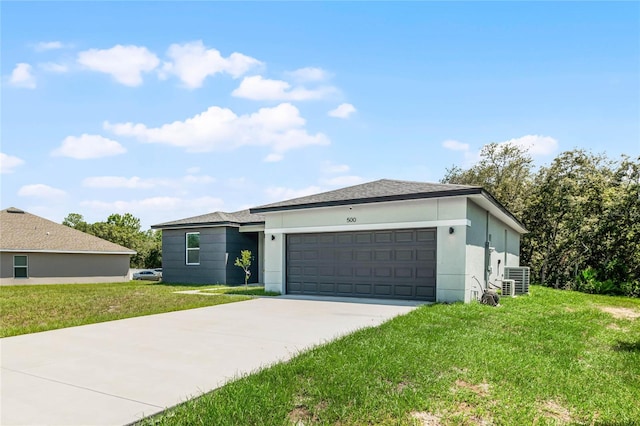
<point x="394" y="264"/>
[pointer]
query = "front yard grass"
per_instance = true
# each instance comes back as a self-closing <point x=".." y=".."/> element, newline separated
<point x="554" y="357"/>
<point x="34" y="308"/>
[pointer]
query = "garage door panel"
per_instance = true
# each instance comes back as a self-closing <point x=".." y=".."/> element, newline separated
<point x="383" y="290"/>
<point x="345" y="271"/>
<point x="383" y="237"/>
<point x="344" y="238"/>
<point x="426" y="235"/>
<point x="382" y="272"/>
<point x="344" y="288"/>
<point x="383" y="255"/>
<point x="425" y="272"/>
<point x="326" y="288"/>
<point x="363" y="272"/>
<point x="404" y="255"/>
<point x="385" y="264"/>
<point x="400" y="272"/>
<point x="363" y="289"/>
<point x="403" y="290"/>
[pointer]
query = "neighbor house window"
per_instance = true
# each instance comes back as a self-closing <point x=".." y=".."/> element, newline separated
<point x="20" y="267"/>
<point x="193" y="248"/>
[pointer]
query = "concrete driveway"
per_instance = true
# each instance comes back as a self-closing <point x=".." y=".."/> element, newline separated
<point x="117" y="372"/>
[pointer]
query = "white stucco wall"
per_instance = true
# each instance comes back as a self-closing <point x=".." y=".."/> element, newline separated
<point x="438" y="213"/>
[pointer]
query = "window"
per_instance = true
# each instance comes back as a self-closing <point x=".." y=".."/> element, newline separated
<point x="20" y="267"/>
<point x="193" y="248"/>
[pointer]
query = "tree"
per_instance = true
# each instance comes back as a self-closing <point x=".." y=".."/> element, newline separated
<point x="125" y="231"/>
<point x="504" y="170"/>
<point x="582" y="212"/>
<point x="244" y="261"/>
<point x="76" y="221"/>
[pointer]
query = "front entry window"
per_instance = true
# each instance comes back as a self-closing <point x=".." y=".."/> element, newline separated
<point x="193" y="248"/>
<point x="20" y="267"/>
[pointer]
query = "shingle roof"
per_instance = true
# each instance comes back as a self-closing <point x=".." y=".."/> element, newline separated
<point x="377" y="191"/>
<point x="22" y="231"/>
<point x="242" y="217"/>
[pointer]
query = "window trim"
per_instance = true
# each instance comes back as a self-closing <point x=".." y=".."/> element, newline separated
<point x="187" y="248"/>
<point x="25" y="267"/>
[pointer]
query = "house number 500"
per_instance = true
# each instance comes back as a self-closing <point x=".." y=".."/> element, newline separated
<point x="351" y="219"/>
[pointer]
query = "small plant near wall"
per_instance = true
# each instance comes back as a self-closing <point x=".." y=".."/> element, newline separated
<point x="244" y="261"/>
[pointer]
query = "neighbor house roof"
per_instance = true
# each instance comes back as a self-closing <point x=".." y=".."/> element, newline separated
<point x="24" y="232"/>
<point x="242" y="217"/>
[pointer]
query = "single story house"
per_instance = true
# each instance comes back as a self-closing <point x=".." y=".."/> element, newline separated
<point x="386" y="239"/>
<point x="34" y="250"/>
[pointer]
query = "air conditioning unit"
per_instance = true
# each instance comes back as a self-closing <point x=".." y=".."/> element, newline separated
<point x="508" y="288"/>
<point x="520" y="275"/>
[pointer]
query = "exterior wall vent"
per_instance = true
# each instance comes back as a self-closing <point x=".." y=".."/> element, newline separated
<point x="520" y="275"/>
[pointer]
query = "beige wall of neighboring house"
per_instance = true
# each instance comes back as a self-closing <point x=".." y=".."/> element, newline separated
<point x="65" y="268"/>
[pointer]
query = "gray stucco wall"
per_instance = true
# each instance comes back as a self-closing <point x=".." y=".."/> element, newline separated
<point x="504" y="240"/>
<point x="212" y="267"/>
<point x="63" y="268"/>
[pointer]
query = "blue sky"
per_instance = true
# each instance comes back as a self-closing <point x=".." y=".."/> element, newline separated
<point x="167" y="110"/>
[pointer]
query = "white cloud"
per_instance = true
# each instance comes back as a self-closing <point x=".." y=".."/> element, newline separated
<point x="342" y="111"/>
<point x="124" y="63"/>
<point x="192" y="63"/>
<point x="454" y="145"/>
<point x="8" y="163"/>
<point x="134" y="182"/>
<point x="48" y="45"/>
<point x="280" y="193"/>
<point x="342" y="181"/>
<point x="40" y="190"/>
<point x="21" y="76"/>
<point x="88" y="146"/>
<point x="258" y="88"/>
<point x="281" y="128"/>
<point x="273" y="158"/>
<point x="156" y="209"/>
<point x="329" y="167"/>
<point x="308" y="74"/>
<point x="193" y="170"/>
<point x="535" y="144"/>
<point x="202" y="179"/>
<point x="54" y="67"/>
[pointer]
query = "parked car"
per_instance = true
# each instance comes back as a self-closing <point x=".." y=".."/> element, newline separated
<point x="158" y="271"/>
<point x="147" y="275"/>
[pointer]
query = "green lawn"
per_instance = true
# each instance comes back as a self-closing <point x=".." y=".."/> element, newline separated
<point x="552" y="357"/>
<point x="33" y="308"/>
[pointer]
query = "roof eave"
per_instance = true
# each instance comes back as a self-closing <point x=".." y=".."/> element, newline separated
<point x="369" y="200"/>
<point x="23" y="250"/>
<point x="205" y="225"/>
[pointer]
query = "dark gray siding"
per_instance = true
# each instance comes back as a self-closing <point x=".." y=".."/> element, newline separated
<point x="236" y="242"/>
<point x="212" y="268"/>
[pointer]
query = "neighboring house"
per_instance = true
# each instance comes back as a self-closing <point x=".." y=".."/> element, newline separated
<point x="34" y="250"/>
<point x="385" y="239"/>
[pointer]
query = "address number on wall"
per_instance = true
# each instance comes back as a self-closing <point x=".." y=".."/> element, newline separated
<point x="351" y="220"/>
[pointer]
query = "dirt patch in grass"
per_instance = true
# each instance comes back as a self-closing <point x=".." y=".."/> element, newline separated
<point x="481" y="389"/>
<point x="553" y="410"/>
<point x="424" y="418"/>
<point x="620" y="313"/>
<point x="300" y="416"/>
